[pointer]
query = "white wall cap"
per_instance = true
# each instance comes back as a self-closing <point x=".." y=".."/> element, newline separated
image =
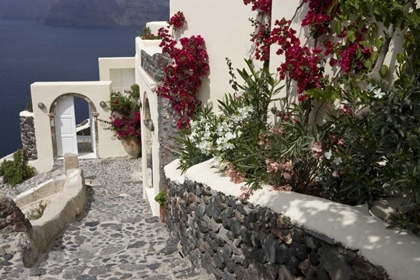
<point x="128" y="59"/>
<point x="173" y="173"/>
<point x="398" y="254"/>
<point x="26" y="114"/>
<point x="79" y="83"/>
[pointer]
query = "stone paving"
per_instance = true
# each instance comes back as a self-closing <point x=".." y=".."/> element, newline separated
<point x="117" y="238"/>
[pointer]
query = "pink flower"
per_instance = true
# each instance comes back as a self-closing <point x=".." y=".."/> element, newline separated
<point x="286" y="176"/>
<point x="235" y="176"/>
<point x="316" y="150"/>
<point x="272" y="166"/>
<point x="287" y="165"/>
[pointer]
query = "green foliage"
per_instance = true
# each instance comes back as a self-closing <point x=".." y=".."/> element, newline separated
<point x="16" y="171"/>
<point x="161" y="198"/>
<point x="135" y="91"/>
<point x="148" y="35"/>
<point x="125" y="114"/>
<point x="240" y="118"/>
<point x="190" y="154"/>
<point x="125" y="103"/>
<point x="366" y="147"/>
<point x="379" y="151"/>
<point x="283" y="156"/>
<point x="28" y="106"/>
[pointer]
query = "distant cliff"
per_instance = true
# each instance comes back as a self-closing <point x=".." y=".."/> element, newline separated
<point x="86" y="12"/>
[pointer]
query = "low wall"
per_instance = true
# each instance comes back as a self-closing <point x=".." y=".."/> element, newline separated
<point x="280" y="235"/>
<point x="154" y="65"/>
<point x="27" y="135"/>
<point x="62" y="209"/>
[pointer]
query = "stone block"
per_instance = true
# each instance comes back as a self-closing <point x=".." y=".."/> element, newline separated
<point x="300" y="251"/>
<point x="285" y="274"/>
<point x="71" y="161"/>
<point x="282" y="253"/>
<point x="334" y="263"/>
<point x="269" y="244"/>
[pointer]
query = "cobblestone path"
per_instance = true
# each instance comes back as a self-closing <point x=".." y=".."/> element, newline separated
<point x="116" y="239"/>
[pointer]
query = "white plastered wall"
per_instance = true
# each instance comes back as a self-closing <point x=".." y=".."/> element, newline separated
<point x="225" y="27"/>
<point x="147" y="91"/>
<point x="46" y="93"/>
<point x="119" y="70"/>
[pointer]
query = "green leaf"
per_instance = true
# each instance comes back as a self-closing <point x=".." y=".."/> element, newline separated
<point x="351" y="35"/>
<point x="401" y="58"/>
<point x="379" y="42"/>
<point x="338" y="27"/>
<point x="383" y="71"/>
<point x="368" y="64"/>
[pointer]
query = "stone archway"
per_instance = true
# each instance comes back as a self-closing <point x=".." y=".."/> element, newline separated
<point x="93" y="118"/>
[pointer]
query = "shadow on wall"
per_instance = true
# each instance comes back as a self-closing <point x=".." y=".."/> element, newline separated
<point x="346" y="224"/>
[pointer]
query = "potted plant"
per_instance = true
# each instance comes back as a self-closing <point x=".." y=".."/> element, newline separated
<point x="125" y="119"/>
<point x="148" y="35"/>
<point x="161" y="199"/>
<point x="150" y="39"/>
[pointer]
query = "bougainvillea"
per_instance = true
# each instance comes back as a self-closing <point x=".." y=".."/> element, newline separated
<point x="125" y="115"/>
<point x="183" y="76"/>
<point x="305" y="63"/>
<point x="177" y="21"/>
<point x="263" y="6"/>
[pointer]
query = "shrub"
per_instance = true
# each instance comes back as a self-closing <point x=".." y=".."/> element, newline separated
<point x="16" y="171"/>
<point x="240" y="119"/>
<point x="125" y="115"/>
<point x="161" y="198"/>
<point x="148" y="35"/>
<point x="28" y="106"/>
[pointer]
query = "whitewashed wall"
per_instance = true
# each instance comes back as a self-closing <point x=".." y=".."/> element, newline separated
<point x="147" y="92"/>
<point x="225" y="27"/>
<point x="47" y="92"/>
<point x="119" y="70"/>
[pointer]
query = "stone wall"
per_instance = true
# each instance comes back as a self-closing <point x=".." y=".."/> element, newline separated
<point x="167" y="131"/>
<point x="154" y="65"/>
<point x="27" y="135"/>
<point x="234" y="239"/>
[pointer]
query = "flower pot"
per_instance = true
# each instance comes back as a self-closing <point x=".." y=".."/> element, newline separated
<point x="151" y="43"/>
<point x="162" y="213"/>
<point x="132" y="147"/>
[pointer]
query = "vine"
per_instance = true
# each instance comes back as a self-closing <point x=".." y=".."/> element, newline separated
<point x="183" y="76"/>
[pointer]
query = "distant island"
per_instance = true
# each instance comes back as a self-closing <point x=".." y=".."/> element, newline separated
<point x="86" y="12"/>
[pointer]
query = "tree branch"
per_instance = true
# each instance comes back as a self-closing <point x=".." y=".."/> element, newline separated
<point x="297" y="10"/>
<point x="375" y="73"/>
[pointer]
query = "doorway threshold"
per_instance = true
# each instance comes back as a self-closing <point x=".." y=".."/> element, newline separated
<point x="83" y="156"/>
<point x="87" y="155"/>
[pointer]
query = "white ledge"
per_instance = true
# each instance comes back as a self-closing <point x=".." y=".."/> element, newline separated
<point x="173" y="173"/>
<point x="398" y="254"/>
<point x="26" y="114"/>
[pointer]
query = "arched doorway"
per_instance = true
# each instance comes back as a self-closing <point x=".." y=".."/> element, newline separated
<point x="71" y="134"/>
<point x="148" y="144"/>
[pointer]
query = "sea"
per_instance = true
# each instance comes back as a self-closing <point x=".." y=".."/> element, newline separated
<point x="30" y="52"/>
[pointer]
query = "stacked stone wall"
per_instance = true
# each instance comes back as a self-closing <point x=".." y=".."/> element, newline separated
<point x="154" y="65"/>
<point x="27" y="136"/>
<point x="233" y="239"/>
<point x="167" y="133"/>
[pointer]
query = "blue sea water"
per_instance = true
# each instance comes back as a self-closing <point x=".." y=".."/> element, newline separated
<point x="32" y="52"/>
